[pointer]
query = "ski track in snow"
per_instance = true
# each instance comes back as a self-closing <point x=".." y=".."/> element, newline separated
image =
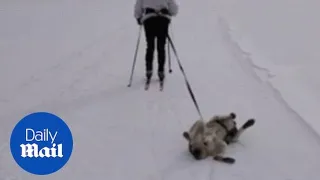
<point x="121" y="132"/>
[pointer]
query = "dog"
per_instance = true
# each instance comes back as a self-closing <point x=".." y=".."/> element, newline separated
<point x="211" y="138"/>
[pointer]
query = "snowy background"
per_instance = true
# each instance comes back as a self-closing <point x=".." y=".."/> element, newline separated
<point x="258" y="59"/>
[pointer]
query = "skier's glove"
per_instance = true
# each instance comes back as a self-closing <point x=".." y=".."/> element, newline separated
<point x="165" y="11"/>
<point x="139" y="21"/>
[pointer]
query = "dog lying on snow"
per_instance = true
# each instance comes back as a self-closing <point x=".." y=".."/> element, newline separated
<point x="211" y="138"/>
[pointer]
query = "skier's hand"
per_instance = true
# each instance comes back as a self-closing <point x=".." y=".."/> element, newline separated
<point x="165" y="11"/>
<point x="139" y="21"/>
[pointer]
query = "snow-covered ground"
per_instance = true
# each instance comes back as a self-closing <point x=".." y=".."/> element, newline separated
<point x="73" y="58"/>
<point x="281" y="39"/>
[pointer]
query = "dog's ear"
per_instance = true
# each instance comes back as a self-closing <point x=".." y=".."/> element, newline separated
<point x="186" y="135"/>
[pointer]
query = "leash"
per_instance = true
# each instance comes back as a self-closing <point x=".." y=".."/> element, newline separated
<point x="149" y="10"/>
<point x="185" y="77"/>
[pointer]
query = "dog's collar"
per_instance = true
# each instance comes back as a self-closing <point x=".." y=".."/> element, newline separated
<point x="224" y="126"/>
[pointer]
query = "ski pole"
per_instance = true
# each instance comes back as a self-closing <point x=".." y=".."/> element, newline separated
<point x="169" y="58"/>
<point x="135" y="56"/>
<point x="169" y="54"/>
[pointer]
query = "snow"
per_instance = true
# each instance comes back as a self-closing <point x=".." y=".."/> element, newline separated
<point x="73" y="58"/>
<point x="281" y="39"/>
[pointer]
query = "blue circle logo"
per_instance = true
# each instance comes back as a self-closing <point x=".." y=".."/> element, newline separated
<point x="41" y="143"/>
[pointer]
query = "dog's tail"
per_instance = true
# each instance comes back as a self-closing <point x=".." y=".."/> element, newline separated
<point x="228" y="160"/>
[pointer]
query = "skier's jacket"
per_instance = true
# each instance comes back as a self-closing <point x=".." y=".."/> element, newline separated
<point x="144" y="9"/>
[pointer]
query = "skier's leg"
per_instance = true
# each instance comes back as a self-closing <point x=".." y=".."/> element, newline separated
<point x="150" y="38"/>
<point x="161" y="43"/>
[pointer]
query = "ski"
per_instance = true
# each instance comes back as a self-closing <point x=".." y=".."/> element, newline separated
<point x="148" y="82"/>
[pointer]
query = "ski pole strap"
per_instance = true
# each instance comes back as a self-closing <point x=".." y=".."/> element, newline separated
<point x="185" y="77"/>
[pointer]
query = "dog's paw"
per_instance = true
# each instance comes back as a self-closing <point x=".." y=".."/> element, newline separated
<point x="227" y="160"/>
<point x="233" y="115"/>
<point x="249" y="123"/>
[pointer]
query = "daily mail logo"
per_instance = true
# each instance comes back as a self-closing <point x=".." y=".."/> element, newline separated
<point x="32" y="150"/>
<point x="41" y="143"/>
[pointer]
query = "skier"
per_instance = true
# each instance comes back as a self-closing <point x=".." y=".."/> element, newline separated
<point x="155" y="16"/>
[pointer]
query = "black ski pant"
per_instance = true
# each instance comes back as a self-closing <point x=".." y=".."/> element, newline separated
<point x="156" y="28"/>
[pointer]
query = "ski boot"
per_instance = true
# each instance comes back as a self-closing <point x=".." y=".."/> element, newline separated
<point x="148" y="79"/>
<point x="161" y="76"/>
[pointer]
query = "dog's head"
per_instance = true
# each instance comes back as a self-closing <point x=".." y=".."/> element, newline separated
<point x="198" y="144"/>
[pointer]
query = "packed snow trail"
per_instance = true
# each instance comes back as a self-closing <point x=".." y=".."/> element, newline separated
<point x="77" y="65"/>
